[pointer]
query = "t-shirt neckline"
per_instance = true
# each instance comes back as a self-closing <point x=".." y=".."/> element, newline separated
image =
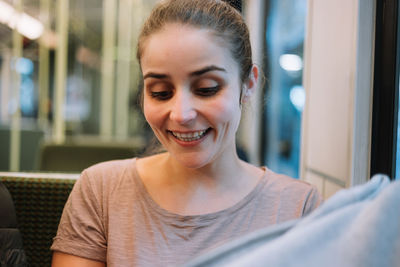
<point x="196" y="217"/>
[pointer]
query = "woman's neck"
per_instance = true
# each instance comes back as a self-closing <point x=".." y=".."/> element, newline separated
<point x="218" y="170"/>
<point x="202" y="190"/>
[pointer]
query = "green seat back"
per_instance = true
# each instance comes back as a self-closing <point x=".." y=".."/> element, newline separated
<point x="72" y="157"/>
<point x="39" y="203"/>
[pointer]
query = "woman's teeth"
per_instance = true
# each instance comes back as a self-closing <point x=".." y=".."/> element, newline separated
<point x="188" y="137"/>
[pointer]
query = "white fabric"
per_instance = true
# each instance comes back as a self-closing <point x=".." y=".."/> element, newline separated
<point x="359" y="226"/>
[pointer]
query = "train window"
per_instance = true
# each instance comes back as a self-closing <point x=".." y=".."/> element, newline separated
<point x="397" y="123"/>
<point x="398" y="137"/>
<point x="57" y="75"/>
<point x="397" y="142"/>
<point x="284" y="94"/>
<point x="385" y="147"/>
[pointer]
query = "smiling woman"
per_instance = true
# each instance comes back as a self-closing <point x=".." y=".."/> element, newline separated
<point x="196" y="90"/>
<point x="195" y="58"/>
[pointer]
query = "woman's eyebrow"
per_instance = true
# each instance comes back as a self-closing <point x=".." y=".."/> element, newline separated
<point x="206" y="69"/>
<point x="194" y="73"/>
<point x="155" y="75"/>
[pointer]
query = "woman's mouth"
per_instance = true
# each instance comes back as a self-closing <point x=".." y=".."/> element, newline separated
<point x="189" y="136"/>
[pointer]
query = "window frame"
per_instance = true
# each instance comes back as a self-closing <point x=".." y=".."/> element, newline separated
<point x="385" y="92"/>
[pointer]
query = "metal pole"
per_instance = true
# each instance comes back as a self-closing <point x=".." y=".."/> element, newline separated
<point x="5" y="79"/>
<point x="43" y="80"/>
<point x="123" y="69"/>
<point x="61" y="70"/>
<point x="250" y="132"/>
<point x="15" y="132"/>
<point x="107" y="69"/>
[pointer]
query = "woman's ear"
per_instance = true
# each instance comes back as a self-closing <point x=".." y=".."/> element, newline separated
<point x="251" y="84"/>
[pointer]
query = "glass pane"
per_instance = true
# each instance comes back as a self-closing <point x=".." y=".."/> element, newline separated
<point x="28" y="75"/>
<point x="285" y="95"/>
<point x="397" y="123"/>
<point x="398" y="138"/>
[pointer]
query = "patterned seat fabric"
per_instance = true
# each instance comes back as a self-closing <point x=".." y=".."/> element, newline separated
<point x="38" y="203"/>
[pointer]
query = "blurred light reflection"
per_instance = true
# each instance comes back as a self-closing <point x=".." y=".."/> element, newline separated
<point x="291" y="62"/>
<point x="298" y="97"/>
<point x="22" y="22"/>
<point x="24" y="66"/>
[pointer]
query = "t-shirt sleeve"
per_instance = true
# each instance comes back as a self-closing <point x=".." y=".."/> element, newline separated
<point x="81" y="229"/>
<point x="313" y="200"/>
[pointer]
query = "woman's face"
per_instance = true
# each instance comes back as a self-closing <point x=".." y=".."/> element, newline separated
<point x="191" y="94"/>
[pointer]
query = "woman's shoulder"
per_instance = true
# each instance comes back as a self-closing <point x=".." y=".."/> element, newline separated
<point x="111" y="166"/>
<point x="106" y="173"/>
<point x="291" y="190"/>
<point x="287" y="183"/>
<point x="150" y="166"/>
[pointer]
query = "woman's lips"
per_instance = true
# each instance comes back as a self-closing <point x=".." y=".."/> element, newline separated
<point x="189" y="136"/>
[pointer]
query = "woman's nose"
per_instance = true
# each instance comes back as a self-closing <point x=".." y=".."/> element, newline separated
<point x="182" y="109"/>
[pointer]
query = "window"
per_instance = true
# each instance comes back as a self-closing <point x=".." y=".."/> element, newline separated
<point x="385" y="142"/>
<point x="398" y="132"/>
<point x="284" y="93"/>
<point x="65" y="87"/>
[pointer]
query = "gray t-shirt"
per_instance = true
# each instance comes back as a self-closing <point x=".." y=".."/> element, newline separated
<point x="110" y="217"/>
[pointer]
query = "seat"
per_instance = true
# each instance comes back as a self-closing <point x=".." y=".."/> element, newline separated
<point x="11" y="247"/>
<point x="30" y="140"/>
<point x="77" y="154"/>
<point x="39" y="200"/>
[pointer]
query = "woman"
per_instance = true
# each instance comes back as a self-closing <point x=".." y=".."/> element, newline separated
<point x="195" y="58"/>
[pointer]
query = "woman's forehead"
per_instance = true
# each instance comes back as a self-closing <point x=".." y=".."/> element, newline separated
<point x="179" y="30"/>
<point x="184" y="44"/>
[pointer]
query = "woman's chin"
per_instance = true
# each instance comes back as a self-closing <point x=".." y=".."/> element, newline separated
<point x="192" y="161"/>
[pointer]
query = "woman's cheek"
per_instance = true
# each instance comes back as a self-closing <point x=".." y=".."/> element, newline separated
<point x="225" y="110"/>
<point x="151" y="113"/>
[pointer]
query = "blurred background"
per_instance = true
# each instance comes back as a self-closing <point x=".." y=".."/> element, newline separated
<point x="69" y="81"/>
<point x="328" y="111"/>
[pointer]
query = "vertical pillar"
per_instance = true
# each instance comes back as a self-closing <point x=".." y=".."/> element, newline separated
<point x="250" y="134"/>
<point x="363" y="91"/>
<point x="61" y="70"/>
<point x="138" y="13"/>
<point x="123" y="68"/>
<point x="15" y="132"/>
<point x="5" y="79"/>
<point x="43" y="79"/>
<point x="107" y="69"/>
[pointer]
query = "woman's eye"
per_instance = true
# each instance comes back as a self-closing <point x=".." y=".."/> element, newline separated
<point x="207" y="91"/>
<point x="161" y="95"/>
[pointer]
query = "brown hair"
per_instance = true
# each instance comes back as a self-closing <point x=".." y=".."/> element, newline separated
<point x="224" y="20"/>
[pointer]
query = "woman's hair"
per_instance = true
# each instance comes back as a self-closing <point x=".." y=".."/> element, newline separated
<point x="225" y="21"/>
